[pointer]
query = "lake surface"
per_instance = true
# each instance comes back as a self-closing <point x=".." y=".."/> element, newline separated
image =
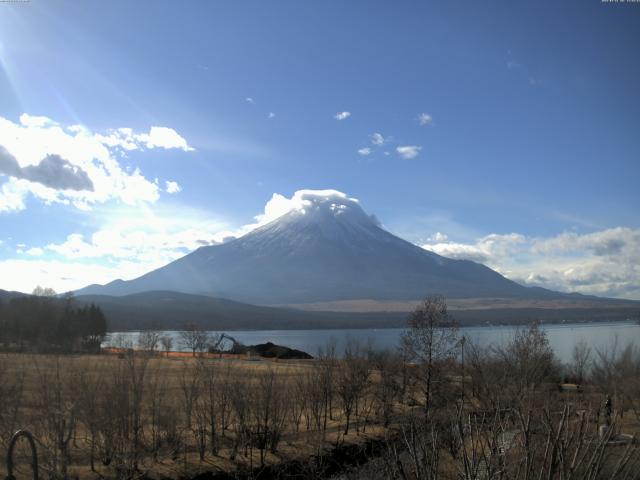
<point x="562" y="337"/>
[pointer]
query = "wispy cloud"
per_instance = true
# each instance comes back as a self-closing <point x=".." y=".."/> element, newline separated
<point x="377" y="139"/>
<point x="172" y="187"/>
<point x="271" y="115"/>
<point x="521" y="68"/>
<point x="408" y="151"/>
<point x="342" y="115"/>
<point x="127" y="139"/>
<point x="425" y="119"/>
<point x="364" y="151"/>
<point x="250" y="100"/>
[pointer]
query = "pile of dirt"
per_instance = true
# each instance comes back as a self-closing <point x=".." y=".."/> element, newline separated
<point x="271" y="350"/>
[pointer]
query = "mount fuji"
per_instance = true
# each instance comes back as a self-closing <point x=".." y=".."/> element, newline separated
<point x="325" y="248"/>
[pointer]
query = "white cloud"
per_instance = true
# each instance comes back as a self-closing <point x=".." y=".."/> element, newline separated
<point x="72" y="165"/>
<point x="143" y="234"/>
<point x="157" y="137"/>
<point x="377" y="139"/>
<point x="271" y="115"/>
<point x="250" y="100"/>
<point x="364" y="151"/>
<point x="483" y="250"/>
<point x="25" y="275"/>
<point x="164" y="137"/>
<point x="12" y="196"/>
<point x="425" y="119"/>
<point x="438" y="237"/>
<point x="408" y="151"/>
<point x="605" y="262"/>
<point x="172" y="187"/>
<point x="342" y="115"/>
<point x="35" y="121"/>
<point x="606" y="242"/>
<point x="131" y="241"/>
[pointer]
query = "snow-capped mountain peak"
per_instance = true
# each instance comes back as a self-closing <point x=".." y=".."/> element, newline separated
<point x="319" y="245"/>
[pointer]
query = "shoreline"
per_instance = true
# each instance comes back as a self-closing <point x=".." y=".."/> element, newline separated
<point x="627" y="321"/>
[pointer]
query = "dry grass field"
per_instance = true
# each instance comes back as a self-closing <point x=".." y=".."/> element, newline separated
<point x="501" y="414"/>
<point x="171" y="416"/>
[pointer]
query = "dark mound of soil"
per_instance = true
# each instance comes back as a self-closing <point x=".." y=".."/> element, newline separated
<point x="271" y="350"/>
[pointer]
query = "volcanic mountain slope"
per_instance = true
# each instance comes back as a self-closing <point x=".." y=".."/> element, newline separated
<point x="326" y="249"/>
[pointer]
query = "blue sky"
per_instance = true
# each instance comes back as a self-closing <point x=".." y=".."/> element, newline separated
<point x="507" y="132"/>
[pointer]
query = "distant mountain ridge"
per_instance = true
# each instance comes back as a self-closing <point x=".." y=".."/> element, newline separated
<point x="172" y="310"/>
<point x="327" y="249"/>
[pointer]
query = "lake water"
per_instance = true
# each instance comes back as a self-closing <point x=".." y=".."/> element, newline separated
<point x="562" y="337"/>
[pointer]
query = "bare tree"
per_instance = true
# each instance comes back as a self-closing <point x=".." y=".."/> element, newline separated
<point x="167" y="343"/>
<point x="316" y="401"/>
<point x="353" y="379"/>
<point x="223" y="397"/>
<point x="616" y="371"/>
<point x="149" y="340"/>
<point x="413" y="453"/>
<point x="136" y="369"/>
<point x="328" y="364"/>
<point x="527" y="361"/>
<point x="58" y="409"/>
<point x="88" y="407"/>
<point x="268" y="413"/>
<point x="155" y="406"/>
<point x="209" y="402"/>
<point x="190" y="387"/>
<point x="299" y="400"/>
<point x="580" y="358"/>
<point x="388" y="388"/>
<point x="240" y="401"/>
<point x="194" y="338"/>
<point x="11" y="394"/>
<point x="429" y="340"/>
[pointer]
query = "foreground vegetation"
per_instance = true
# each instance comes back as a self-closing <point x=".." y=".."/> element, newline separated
<point x="439" y="408"/>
